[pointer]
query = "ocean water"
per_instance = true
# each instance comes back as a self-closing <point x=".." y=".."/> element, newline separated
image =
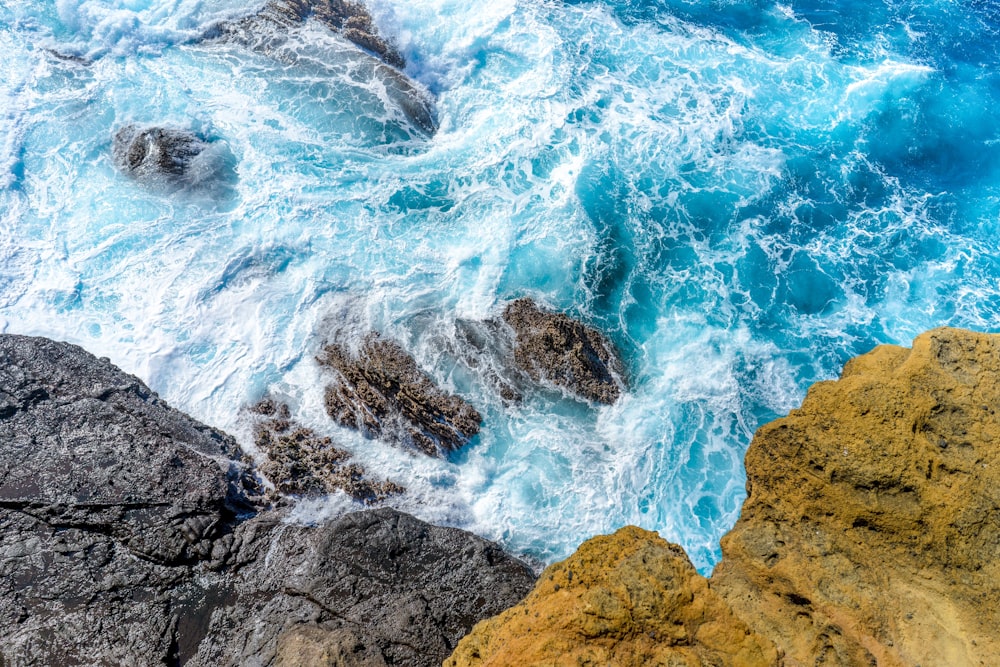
<point x="742" y="194"/>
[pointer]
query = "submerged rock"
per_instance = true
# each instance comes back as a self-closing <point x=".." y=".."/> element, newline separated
<point x="870" y="536"/>
<point x="554" y="348"/>
<point x="350" y="19"/>
<point x="170" y="157"/>
<point x="132" y="534"/>
<point x="275" y="31"/>
<point x="302" y="462"/>
<point x="381" y="391"/>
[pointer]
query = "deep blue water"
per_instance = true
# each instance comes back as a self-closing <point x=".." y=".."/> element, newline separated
<point x="743" y="195"/>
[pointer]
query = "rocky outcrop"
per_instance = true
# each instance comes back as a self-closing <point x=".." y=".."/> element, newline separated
<point x="553" y="348"/>
<point x="170" y="157"/>
<point x="870" y="536"/>
<point x="132" y="534"/>
<point x="377" y="583"/>
<point x="350" y="19"/>
<point x="871" y="531"/>
<point x="275" y="31"/>
<point x="381" y="391"/>
<point x="85" y="446"/>
<point x="630" y="599"/>
<point x="302" y="462"/>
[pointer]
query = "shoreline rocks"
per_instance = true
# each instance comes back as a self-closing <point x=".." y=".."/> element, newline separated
<point x="381" y="391"/>
<point x="276" y="30"/>
<point x="302" y="462"/>
<point x="552" y="347"/>
<point x="870" y="536"/>
<point x="132" y="534"/>
<point x="170" y="157"/>
<point x="350" y="19"/>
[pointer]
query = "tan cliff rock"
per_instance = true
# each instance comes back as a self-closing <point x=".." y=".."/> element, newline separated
<point x="870" y="536"/>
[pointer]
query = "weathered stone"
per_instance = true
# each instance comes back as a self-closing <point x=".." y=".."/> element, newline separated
<point x="381" y="391"/>
<point x="302" y="462"/>
<point x="554" y="348"/>
<point x="871" y="531"/>
<point x="83" y="445"/>
<point x="129" y="535"/>
<point x="630" y="599"/>
<point x="407" y="589"/>
<point x="870" y="536"/>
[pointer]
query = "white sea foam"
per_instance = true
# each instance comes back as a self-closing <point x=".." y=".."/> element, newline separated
<point x="646" y="177"/>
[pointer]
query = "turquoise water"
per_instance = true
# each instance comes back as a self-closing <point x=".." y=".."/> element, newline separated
<point x="743" y="195"/>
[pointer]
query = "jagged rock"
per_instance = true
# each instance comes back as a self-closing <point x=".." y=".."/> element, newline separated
<point x="130" y="535"/>
<point x="302" y="462"/>
<point x="350" y="19"/>
<point x="106" y="495"/>
<point x="554" y="348"/>
<point x="170" y="157"/>
<point x="382" y="392"/>
<point x="630" y="599"/>
<point x="870" y="535"/>
<point x="269" y="31"/>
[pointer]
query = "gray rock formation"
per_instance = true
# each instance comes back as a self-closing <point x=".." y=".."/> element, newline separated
<point x="552" y="347"/>
<point x="275" y="31"/>
<point x="381" y="391"/>
<point x="130" y="534"/>
<point x="171" y="158"/>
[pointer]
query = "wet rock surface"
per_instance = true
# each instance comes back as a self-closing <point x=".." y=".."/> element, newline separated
<point x="552" y="347"/>
<point x="381" y="391"/>
<point x="132" y="534"/>
<point x="870" y="536"/>
<point x="170" y="157"/>
<point x="302" y="462"/>
<point x="276" y="30"/>
<point x="350" y="19"/>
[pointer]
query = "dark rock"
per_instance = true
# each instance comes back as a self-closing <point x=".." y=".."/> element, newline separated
<point x="350" y="19"/>
<point x="554" y="348"/>
<point x="302" y="462"/>
<point x="382" y="392"/>
<point x="130" y="534"/>
<point x="170" y="157"/>
<point x="378" y="582"/>
<point x="83" y="445"/>
<point x="274" y="31"/>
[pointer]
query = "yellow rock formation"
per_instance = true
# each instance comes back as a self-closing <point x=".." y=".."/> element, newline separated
<point x="870" y="536"/>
